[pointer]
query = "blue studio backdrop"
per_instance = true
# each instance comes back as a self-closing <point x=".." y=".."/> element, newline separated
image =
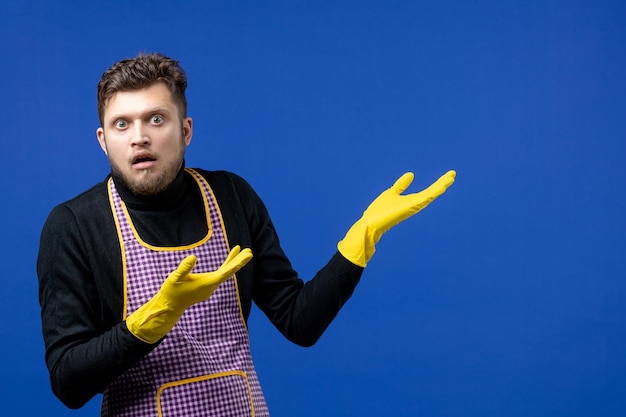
<point x="505" y="297"/>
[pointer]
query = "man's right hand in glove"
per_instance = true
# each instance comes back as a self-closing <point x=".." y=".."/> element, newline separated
<point x="181" y="289"/>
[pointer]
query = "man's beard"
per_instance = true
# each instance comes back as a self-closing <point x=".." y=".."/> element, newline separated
<point x="151" y="183"/>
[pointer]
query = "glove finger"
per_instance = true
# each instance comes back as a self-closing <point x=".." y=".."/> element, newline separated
<point x="403" y="182"/>
<point x="425" y="197"/>
<point x="224" y="272"/>
<point x="438" y="187"/>
<point x="448" y="178"/>
<point x="231" y="255"/>
<point x="184" y="268"/>
<point x="234" y="264"/>
<point x="239" y="261"/>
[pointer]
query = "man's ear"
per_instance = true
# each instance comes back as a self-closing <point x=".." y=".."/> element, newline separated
<point x="187" y="130"/>
<point x="101" y="139"/>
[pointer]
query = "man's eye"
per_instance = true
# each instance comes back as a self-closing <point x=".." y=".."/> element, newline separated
<point x="121" y="124"/>
<point x="156" y="119"/>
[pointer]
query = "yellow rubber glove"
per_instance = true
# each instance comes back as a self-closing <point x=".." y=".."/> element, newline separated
<point x="181" y="289"/>
<point x="387" y="210"/>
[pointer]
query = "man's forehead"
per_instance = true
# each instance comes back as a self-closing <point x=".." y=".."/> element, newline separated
<point x="155" y="96"/>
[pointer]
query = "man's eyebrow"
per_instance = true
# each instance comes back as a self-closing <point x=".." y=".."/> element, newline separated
<point x="158" y="109"/>
<point x="132" y="114"/>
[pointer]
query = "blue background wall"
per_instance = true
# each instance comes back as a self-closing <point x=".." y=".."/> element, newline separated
<point x="505" y="297"/>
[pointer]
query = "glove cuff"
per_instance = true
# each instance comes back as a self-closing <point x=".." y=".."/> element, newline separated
<point x="358" y="245"/>
<point x="153" y="320"/>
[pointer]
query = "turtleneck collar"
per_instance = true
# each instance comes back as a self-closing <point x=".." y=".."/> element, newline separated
<point x="166" y="199"/>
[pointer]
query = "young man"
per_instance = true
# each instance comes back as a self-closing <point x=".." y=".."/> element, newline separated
<point x="146" y="280"/>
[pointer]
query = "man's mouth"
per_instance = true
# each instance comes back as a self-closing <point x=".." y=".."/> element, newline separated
<point x="143" y="161"/>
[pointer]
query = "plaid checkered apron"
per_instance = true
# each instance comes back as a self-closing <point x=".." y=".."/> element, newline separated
<point x="203" y="366"/>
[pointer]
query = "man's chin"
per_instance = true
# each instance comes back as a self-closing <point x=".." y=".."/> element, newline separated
<point x="149" y="181"/>
<point x="144" y="183"/>
<point x="148" y="187"/>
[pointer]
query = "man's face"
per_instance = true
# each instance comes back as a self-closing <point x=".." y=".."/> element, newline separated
<point x="144" y="138"/>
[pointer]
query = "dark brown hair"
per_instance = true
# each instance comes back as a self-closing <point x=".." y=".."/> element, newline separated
<point x="143" y="71"/>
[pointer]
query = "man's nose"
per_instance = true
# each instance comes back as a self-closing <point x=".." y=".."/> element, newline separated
<point x="140" y="134"/>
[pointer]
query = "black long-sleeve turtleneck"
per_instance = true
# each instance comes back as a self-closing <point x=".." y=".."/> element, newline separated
<point x="174" y="217"/>
<point x="80" y="276"/>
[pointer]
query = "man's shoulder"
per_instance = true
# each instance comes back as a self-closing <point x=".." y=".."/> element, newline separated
<point x="222" y="179"/>
<point x="221" y="175"/>
<point x="90" y="197"/>
<point x="230" y="189"/>
<point x="86" y="204"/>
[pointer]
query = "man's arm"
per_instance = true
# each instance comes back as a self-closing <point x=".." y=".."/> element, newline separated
<point x="85" y="350"/>
<point x="303" y="311"/>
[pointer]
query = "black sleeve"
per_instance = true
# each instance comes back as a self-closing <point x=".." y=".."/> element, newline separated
<point x="84" y="350"/>
<point x="300" y="311"/>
